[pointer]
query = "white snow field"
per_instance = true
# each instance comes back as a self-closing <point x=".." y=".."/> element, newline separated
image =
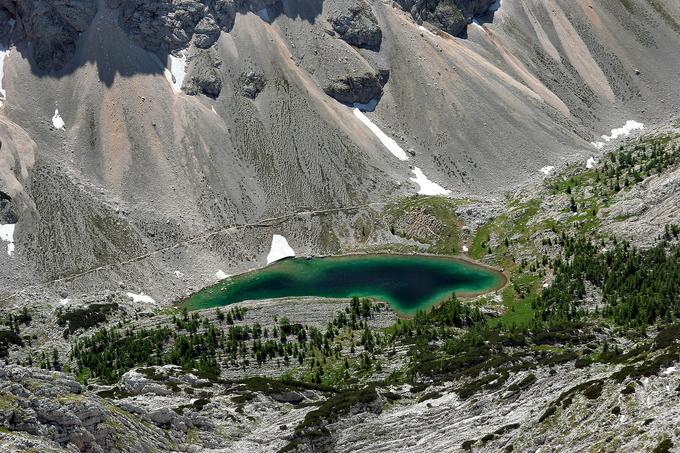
<point x="591" y="162"/>
<point x="388" y="142"/>
<point x="280" y="249"/>
<point x="177" y="71"/>
<point x="624" y="131"/>
<point x="7" y="235"/>
<point x="3" y="53"/>
<point x="427" y="187"/>
<point x="547" y="170"/>
<point x="264" y="14"/>
<point x="57" y="121"/>
<point x="221" y="275"/>
<point x="141" y="298"/>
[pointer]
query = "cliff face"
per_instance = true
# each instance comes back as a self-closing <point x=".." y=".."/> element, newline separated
<point x="452" y="16"/>
<point x="52" y="27"/>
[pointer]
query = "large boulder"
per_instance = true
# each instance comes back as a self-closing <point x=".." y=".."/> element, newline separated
<point x="357" y="26"/>
<point x="355" y="88"/>
<point x="204" y="76"/>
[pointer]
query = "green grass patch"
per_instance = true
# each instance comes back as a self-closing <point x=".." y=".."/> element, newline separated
<point x="440" y="227"/>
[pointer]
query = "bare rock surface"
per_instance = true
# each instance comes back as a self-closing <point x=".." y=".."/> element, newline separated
<point x="357" y="25"/>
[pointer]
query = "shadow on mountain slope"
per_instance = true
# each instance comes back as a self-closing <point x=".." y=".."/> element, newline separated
<point x="59" y="37"/>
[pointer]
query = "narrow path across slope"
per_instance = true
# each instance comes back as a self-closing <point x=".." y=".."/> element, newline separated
<point x="267" y="222"/>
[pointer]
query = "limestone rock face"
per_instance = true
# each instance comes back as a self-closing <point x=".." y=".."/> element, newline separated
<point x="357" y="26"/>
<point x="51" y="26"/>
<point x="162" y="25"/>
<point x="355" y="88"/>
<point x="50" y="411"/>
<point x="205" y="76"/>
<point x="168" y="25"/>
<point x="137" y="384"/>
<point x="452" y="16"/>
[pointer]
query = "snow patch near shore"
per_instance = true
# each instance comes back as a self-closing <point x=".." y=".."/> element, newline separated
<point x="427" y="187"/>
<point x="388" y="142"/>
<point x="280" y="249"/>
<point x="7" y="235"/>
<point x="141" y="298"/>
<point x="220" y="275"/>
<point x="3" y="53"/>
<point x="466" y="249"/>
<point x="177" y="71"/>
<point x="57" y="121"/>
<point x="547" y="170"/>
<point x="624" y="131"/>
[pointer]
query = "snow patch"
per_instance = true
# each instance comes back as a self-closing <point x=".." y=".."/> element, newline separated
<point x="264" y="14"/>
<point x="213" y="109"/>
<point x="7" y="235"/>
<point x="598" y="145"/>
<point x="177" y="71"/>
<point x="65" y="301"/>
<point x="466" y="249"/>
<point x="425" y="30"/>
<point x="591" y="162"/>
<point x="280" y="249"/>
<point x="57" y="121"/>
<point x="547" y="170"/>
<point x="623" y="131"/>
<point x="3" y="53"/>
<point x="369" y="106"/>
<point x="669" y="370"/>
<point x="178" y="274"/>
<point x="427" y="187"/>
<point x="388" y="142"/>
<point x="141" y="298"/>
<point x="220" y="275"/>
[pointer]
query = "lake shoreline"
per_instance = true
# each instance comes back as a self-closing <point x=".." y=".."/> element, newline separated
<point x="499" y="274"/>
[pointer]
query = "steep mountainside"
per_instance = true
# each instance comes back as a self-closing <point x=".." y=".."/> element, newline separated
<point x="133" y="126"/>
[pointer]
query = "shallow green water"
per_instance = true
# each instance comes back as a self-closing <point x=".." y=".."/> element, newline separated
<point x="407" y="282"/>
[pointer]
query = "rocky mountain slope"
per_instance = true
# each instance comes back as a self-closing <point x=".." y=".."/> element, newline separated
<point x="132" y="127"/>
<point x="150" y="148"/>
<point x="503" y="372"/>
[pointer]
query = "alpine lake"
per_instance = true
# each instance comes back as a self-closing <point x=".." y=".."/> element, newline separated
<point x="407" y="282"/>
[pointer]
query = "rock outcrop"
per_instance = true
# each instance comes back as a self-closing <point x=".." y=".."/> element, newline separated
<point x="52" y="27"/>
<point x="355" y="88"/>
<point x="205" y="75"/>
<point x="169" y="25"/>
<point x="357" y="26"/>
<point x="452" y="16"/>
<point x="50" y="411"/>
